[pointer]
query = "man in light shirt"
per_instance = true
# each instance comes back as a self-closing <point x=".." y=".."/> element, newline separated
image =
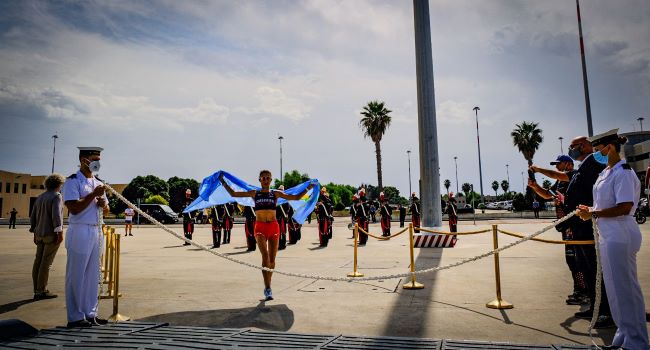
<point x="128" y="221"/>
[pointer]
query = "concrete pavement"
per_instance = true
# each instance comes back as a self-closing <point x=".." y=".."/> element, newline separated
<point x="163" y="281"/>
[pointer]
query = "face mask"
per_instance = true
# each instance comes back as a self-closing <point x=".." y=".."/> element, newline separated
<point x="575" y="153"/>
<point x="94" y="166"/>
<point x="600" y="158"/>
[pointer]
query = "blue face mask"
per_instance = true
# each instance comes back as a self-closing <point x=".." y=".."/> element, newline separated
<point x="600" y="158"/>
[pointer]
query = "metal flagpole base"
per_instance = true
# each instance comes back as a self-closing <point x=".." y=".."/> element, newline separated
<point x="118" y="318"/>
<point x="499" y="304"/>
<point x="355" y="274"/>
<point x="413" y="285"/>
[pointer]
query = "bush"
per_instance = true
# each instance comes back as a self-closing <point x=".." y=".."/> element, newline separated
<point x="156" y="199"/>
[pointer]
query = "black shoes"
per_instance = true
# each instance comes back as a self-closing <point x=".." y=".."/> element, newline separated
<point x="577" y="299"/>
<point x="604" y="322"/>
<point x="585" y="315"/>
<point x="96" y="321"/>
<point x="79" y="324"/>
<point x="45" y="295"/>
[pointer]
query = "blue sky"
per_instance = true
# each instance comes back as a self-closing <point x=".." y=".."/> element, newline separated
<point x="186" y="88"/>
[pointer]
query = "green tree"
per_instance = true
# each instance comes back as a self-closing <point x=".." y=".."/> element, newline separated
<point x="495" y="187"/>
<point x="144" y="187"/>
<point x="156" y="199"/>
<point x="291" y="179"/>
<point x="177" y="188"/>
<point x="547" y="184"/>
<point x="447" y="184"/>
<point x="505" y="186"/>
<point x="374" y="122"/>
<point x="466" y="187"/>
<point x="527" y="138"/>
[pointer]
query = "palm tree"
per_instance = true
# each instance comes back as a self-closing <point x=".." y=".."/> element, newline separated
<point x="505" y="186"/>
<point x="374" y="122"/>
<point x="466" y="188"/>
<point x="495" y="187"/>
<point x="527" y="138"/>
<point x="447" y="184"/>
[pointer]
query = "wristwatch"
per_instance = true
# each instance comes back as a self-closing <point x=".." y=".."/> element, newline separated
<point x="594" y="215"/>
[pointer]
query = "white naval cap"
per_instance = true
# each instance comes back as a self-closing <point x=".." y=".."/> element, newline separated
<point x="89" y="151"/>
<point x="604" y="138"/>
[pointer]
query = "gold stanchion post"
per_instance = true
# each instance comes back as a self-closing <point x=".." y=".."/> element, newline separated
<point x="116" y="317"/>
<point x="355" y="273"/>
<point x="412" y="284"/>
<point x="109" y="261"/>
<point x="497" y="303"/>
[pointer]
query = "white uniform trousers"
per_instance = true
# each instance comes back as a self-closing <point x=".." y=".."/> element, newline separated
<point x="82" y="273"/>
<point x="620" y="240"/>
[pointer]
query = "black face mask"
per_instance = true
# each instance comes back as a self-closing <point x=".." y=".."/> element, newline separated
<point x="575" y="153"/>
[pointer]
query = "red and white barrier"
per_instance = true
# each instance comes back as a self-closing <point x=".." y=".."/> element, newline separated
<point x="434" y="241"/>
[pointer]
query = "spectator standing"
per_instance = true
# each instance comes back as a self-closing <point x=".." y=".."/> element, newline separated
<point x="12" y="218"/>
<point x="46" y="223"/>
<point x="536" y="208"/>
<point x="128" y="221"/>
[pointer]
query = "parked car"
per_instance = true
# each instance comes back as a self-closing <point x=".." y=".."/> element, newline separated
<point x="160" y="212"/>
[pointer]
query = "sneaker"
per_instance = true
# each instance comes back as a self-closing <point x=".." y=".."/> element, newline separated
<point x="268" y="294"/>
<point x="604" y="322"/>
<point x="574" y="300"/>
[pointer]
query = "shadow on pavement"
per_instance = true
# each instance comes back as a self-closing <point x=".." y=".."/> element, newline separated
<point x="16" y="304"/>
<point x="270" y="318"/>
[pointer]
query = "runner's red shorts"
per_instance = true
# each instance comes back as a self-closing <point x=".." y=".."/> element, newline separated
<point x="269" y="230"/>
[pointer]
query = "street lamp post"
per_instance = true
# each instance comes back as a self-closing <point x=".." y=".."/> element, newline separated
<point x="561" y="148"/>
<point x="281" y="173"/>
<point x="508" y="174"/>
<point x="640" y="119"/>
<point x="456" y="164"/>
<point x="478" y="142"/>
<point x="408" y="154"/>
<point x="590" y="128"/>
<point x="54" y="137"/>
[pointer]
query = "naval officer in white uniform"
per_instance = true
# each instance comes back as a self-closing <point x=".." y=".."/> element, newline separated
<point x="83" y="195"/>
<point x="616" y="194"/>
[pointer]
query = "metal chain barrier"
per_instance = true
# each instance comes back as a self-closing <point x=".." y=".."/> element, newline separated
<point x="453" y="233"/>
<point x="551" y="241"/>
<point x="383" y="238"/>
<point x="337" y="279"/>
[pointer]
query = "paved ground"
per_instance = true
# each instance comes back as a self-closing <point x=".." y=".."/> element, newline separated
<point x="162" y="281"/>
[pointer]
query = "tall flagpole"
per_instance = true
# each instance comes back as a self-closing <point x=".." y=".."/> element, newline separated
<point x="590" y="128"/>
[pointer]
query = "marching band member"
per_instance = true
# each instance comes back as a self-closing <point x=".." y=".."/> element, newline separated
<point x="386" y="212"/>
<point x="363" y="213"/>
<point x="249" y="228"/>
<point x="415" y="212"/>
<point x="228" y="212"/>
<point x="216" y="215"/>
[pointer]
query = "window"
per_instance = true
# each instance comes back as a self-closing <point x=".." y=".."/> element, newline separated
<point x="8" y="188"/>
<point x="0" y="187"/>
<point x="24" y="188"/>
<point x="16" y="187"/>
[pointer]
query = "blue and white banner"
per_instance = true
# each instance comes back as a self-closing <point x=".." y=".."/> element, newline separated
<point x="212" y="192"/>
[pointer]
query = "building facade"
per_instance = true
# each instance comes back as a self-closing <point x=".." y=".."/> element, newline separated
<point x="637" y="152"/>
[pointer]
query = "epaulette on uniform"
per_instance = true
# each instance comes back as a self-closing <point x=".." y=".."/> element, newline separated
<point x="626" y="166"/>
<point x="73" y="176"/>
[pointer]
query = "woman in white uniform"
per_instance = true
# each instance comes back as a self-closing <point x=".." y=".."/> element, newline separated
<point x="616" y="194"/>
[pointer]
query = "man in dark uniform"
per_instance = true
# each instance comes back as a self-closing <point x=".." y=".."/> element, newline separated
<point x="294" y="227"/>
<point x="402" y="214"/>
<point x="12" y="218"/>
<point x="216" y="215"/>
<point x="329" y="205"/>
<point x="415" y="212"/>
<point x="579" y="191"/>
<point x="281" y="216"/>
<point x="188" y="225"/>
<point x="249" y="228"/>
<point x="452" y="213"/>
<point x="228" y="220"/>
<point x="386" y="212"/>
<point x="353" y="210"/>
<point x="363" y="214"/>
<point x="322" y="216"/>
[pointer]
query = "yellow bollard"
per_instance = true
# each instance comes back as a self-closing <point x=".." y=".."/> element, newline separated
<point x="116" y="317"/>
<point x="413" y="284"/>
<point x="355" y="273"/>
<point x="497" y="303"/>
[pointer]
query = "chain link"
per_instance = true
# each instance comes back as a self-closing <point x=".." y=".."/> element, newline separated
<point x="337" y="279"/>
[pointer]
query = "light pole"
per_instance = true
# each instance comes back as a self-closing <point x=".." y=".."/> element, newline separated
<point x="408" y="154"/>
<point x="523" y="188"/>
<point x="456" y="164"/>
<point x="54" y="137"/>
<point x="640" y="119"/>
<point x="561" y="148"/>
<point x="280" y="138"/>
<point x="508" y="173"/>
<point x="478" y="142"/>
<point x="590" y="128"/>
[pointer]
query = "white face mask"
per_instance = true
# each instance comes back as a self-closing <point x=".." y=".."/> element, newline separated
<point x="94" y="166"/>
